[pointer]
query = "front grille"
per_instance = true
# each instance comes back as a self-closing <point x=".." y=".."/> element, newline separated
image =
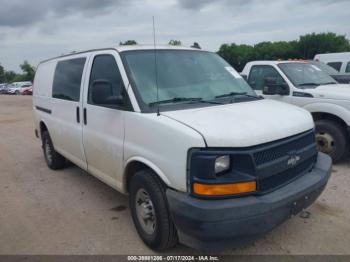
<point x="272" y="167"/>
<point x="279" y="151"/>
<point x="287" y="176"/>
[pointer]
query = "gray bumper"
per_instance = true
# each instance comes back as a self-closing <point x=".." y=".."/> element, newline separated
<point x="234" y="222"/>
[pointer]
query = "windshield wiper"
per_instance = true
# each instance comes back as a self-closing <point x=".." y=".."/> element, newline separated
<point x="234" y="94"/>
<point x="309" y="84"/>
<point x="176" y="100"/>
<point x="328" y="83"/>
<point x="184" y="99"/>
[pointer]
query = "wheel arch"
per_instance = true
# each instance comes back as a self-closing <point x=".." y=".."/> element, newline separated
<point x="138" y="163"/>
<point x="42" y="127"/>
<point x="329" y="116"/>
<point x="332" y="111"/>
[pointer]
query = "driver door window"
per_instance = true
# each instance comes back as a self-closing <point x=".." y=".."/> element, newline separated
<point x="105" y="70"/>
<point x="258" y="75"/>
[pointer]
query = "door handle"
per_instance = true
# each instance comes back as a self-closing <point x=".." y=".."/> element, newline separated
<point x="78" y="114"/>
<point x="85" y="117"/>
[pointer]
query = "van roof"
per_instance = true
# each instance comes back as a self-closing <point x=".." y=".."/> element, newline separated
<point x="127" y="48"/>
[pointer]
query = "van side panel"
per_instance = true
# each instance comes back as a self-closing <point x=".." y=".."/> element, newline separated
<point x="59" y="115"/>
<point x="42" y="90"/>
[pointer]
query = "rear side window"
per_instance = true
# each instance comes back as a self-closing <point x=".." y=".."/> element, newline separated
<point x="335" y="65"/>
<point x="347" y="69"/>
<point x="67" y="79"/>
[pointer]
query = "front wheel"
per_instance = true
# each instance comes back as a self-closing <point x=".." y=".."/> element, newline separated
<point x="149" y="210"/>
<point x="331" y="139"/>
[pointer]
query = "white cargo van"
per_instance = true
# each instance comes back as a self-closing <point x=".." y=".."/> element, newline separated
<point x="204" y="160"/>
<point x="304" y="84"/>
<point x="339" y="61"/>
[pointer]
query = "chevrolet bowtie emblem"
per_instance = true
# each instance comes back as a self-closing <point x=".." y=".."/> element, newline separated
<point x="293" y="159"/>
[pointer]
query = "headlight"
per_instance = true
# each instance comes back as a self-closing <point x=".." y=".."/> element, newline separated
<point x="222" y="164"/>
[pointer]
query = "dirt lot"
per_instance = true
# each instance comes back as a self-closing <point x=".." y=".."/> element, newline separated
<point x="70" y="212"/>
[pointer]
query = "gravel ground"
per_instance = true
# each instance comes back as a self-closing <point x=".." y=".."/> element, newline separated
<point x="71" y="212"/>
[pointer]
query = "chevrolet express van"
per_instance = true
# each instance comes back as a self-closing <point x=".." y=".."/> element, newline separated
<point x="204" y="160"/>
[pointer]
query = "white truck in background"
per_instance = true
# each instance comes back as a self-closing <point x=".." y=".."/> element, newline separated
<point x="304" y="84"/>
<point x="16" y="88"/>
<point x="339" y="61"/>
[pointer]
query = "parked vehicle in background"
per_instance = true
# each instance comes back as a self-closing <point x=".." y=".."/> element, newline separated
<point x="341" y="78"/>
<point x="16" y="88"/>
<point x="339" y="61"/>
<point x="305" y="85"/>
<point x="27" y="91"/>
<point x="204" y="160"/>
<point x="3" y="88"/>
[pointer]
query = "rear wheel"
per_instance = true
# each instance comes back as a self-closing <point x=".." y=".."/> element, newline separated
<point x="150" y="211"/>
<point x="331" y="139"/>
<point x="53" y="159"/>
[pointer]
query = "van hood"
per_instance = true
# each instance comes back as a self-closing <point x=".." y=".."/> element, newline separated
<point x="245" y="124"/>
<point x="334" y="91"/>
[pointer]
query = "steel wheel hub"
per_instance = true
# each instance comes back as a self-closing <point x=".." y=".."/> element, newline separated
<point x="48" y="152"/>
<point x="325" y="143"/>
<point x="145" y="211"/>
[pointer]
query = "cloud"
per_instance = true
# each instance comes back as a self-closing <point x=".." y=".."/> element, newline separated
<point x="16" y="13"/>
<point x="39" y="29"/>
<point x="199" y="4"/>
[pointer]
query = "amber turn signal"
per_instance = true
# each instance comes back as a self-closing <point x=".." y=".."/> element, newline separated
<point x="224" y="189"/>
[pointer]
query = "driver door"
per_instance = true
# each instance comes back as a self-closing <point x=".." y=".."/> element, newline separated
<point x="103" y="128"/>
<point x="258" y="76"/>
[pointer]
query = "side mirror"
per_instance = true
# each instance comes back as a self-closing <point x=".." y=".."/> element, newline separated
<point x="102" y="93"/>
<point x="271" y="87"/>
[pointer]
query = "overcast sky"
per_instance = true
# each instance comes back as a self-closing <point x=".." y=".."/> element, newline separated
<point x="38" y="29"/>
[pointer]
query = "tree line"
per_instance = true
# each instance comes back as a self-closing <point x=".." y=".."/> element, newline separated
<point x="306" y="47"/>
<point x="28" y="72"/>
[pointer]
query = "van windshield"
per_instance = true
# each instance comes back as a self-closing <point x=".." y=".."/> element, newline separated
<point x="182" y="76"/>
<point x="304" y="75"/>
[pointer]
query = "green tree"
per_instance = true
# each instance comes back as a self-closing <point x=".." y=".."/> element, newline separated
<point x="237" y="55"/>
<point x="306" y="47"/>
<point x="10" y="76"/>
<point x="175" y="42"/>
<point x="28" y="71"/>
<point x="2" y="74"/>
<point x="128" y="42"/>
<point x="276" y="50"/>
<point x="311" y="44"/>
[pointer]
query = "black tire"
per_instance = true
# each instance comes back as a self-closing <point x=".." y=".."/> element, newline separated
<point x="53" y="159"/>
<point x="17" y="93"/>
<point x="164" y="235"/>
<point x="332" y="139"/>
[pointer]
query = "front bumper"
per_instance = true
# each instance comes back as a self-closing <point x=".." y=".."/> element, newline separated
<point x="216" y="224"/>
